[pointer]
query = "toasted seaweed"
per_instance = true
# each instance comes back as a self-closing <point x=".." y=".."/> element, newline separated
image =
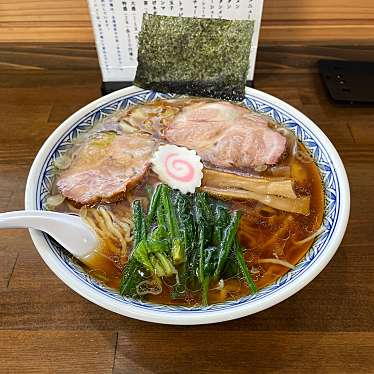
<point x="195" y="56"/>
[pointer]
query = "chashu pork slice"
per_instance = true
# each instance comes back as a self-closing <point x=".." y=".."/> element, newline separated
<point x="105" y="166"/>
<point x="226" y="135"/>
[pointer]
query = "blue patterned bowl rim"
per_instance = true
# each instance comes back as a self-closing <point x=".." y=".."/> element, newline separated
<point x="337" y="201"/>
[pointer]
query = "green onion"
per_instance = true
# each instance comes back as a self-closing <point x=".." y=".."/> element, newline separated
<point x="227" y="242"/>
<point x="243" y="267"/>
<point x="139" y="222"/>
<point x="153" y="204"/>
<point x="192" y="232"/>
<point x="177" y="249"/>
<point x="132" y="272"/>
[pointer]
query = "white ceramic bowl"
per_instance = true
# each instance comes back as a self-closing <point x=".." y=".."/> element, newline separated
<point x="335" y="219"/>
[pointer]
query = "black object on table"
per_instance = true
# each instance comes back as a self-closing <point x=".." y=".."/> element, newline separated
<point x="348" y="81"/>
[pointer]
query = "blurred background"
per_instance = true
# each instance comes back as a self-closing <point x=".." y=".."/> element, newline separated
<point x="284" y="21"/>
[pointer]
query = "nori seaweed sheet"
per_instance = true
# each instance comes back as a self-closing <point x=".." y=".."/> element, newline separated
<point x="195" y="56"/>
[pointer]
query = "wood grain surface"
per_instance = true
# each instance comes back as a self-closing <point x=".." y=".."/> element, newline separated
<point x="45" y="327"/>
<point x="291" y="21"/>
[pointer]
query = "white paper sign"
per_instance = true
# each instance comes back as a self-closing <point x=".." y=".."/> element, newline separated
<point x="117" y="24"/>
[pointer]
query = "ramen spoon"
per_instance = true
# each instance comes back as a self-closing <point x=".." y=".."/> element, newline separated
<point x="68" y="230"/>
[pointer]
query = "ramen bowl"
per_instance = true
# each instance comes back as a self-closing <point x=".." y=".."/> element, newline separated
<point x="336" y="212"/>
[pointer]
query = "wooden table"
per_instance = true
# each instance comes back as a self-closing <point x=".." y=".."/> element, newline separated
<point x="327" y="327"/>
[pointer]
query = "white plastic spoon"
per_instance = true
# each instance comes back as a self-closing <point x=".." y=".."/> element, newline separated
<point x="68" y="230"/>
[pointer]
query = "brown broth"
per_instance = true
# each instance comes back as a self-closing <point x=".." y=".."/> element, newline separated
<point x="264" y="232"/>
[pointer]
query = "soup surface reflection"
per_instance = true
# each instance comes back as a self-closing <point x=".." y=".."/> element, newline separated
<point x="273" y="240"/>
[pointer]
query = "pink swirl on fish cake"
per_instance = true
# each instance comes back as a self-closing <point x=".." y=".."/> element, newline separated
<point x="174" y="164"/>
